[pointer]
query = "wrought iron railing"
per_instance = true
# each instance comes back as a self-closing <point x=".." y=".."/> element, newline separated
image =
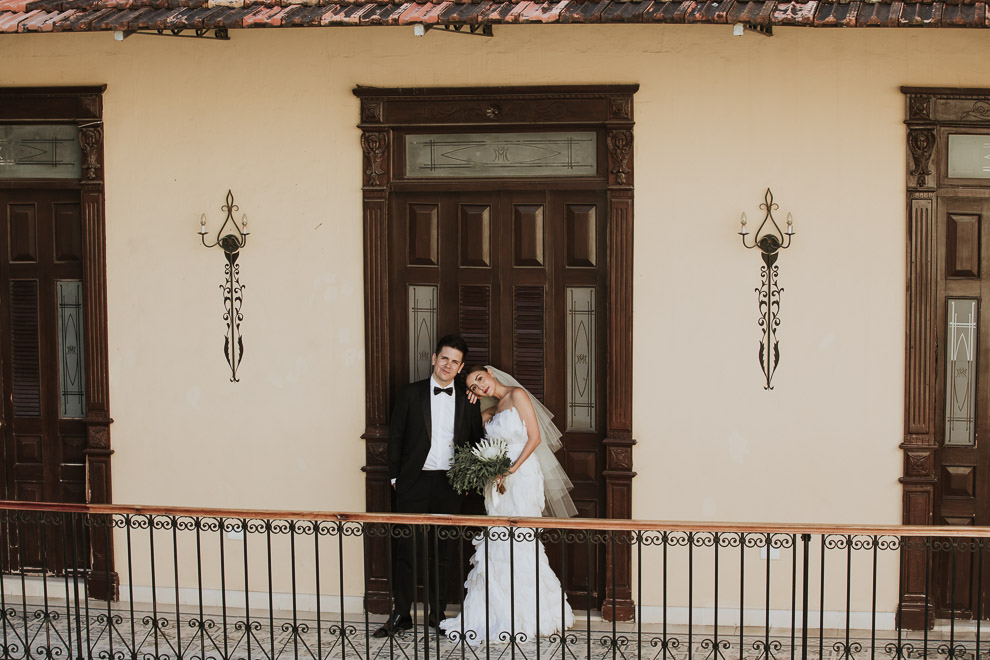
<point x="230" y="585"/>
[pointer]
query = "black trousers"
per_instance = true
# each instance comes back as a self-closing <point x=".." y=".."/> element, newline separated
<point x="422" y="557"/>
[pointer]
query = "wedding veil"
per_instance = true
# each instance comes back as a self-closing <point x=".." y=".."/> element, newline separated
<point x="556" y="483"/>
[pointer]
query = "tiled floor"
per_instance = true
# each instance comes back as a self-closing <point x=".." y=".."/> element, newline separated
<point x="29" y="631"/>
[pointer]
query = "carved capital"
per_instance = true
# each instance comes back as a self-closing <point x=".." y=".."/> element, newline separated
<point x="921" y="142"/>
<point x="98" y="437"/>
<point x="620" y="107"/>
<point x="919" y="464"/>
<point x="372" y="111"/>
<point x="376" y="453"/>
<point x="619" y="458"/>
<point x="91" y="141"/>
<point x="919" y="107"/>
<point x="91" y="105"/>
<point x="619" y="151"/>
<point x="375" y="147"/>
<point x="915" y="440"/>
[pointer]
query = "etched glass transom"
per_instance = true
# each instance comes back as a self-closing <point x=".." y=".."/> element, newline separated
<point x="40" y="151"/>
<point x="422" y="329"/>
<point x="581" y="358"/>
<point x="441" y="155"/>
<point x="72" y="382"/>
<point x="960" y="371"/>
<point x="969" y="157"/>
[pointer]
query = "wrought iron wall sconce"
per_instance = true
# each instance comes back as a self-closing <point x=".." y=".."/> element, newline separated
<point x="770" y="240"/>
<point x="231" y="238"/>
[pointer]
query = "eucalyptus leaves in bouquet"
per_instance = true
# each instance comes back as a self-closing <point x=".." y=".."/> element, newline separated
<point x="475" y="468"/>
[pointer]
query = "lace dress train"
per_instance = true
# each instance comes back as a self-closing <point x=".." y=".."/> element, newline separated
<point x="511" y="587"/>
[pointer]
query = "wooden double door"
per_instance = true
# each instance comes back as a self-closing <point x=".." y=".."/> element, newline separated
<point x="42" y="371"/>
<point x="519" y="272"/>
<point x="962" y="427"/>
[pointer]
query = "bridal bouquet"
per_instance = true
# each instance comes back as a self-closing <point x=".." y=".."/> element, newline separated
<point x="474" y="468"/>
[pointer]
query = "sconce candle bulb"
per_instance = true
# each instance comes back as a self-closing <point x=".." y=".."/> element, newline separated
<point x="742" y="224"/>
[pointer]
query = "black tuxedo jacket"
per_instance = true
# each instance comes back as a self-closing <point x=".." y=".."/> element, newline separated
<point x="411" y="428"/>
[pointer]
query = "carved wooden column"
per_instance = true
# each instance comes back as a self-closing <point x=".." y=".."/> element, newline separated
<point x="375" y="144"/>
<point x="919" y="406"/>
<point x="103" y="581"/>
<point x="618" y="603"/>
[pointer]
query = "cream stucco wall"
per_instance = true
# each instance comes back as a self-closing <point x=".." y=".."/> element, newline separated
<point x="814" y="114"/>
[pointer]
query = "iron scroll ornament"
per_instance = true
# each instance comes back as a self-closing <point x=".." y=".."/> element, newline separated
<point x="230" y="240"/>
<point x="770" y="242"/>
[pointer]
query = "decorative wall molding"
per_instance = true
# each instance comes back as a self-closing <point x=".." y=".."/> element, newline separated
<point x="91" y="141"/>
<point x="619" y="152"/>
<point x="375" y="147"/>
<point x="922" y="145"/>
<point x="919" y="107"/>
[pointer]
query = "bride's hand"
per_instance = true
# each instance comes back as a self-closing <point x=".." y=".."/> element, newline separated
<point x="500" y="479"/>
<point x="472" y="397"/>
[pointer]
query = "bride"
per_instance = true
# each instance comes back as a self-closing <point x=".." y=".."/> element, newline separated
<point x="503" y="596"/>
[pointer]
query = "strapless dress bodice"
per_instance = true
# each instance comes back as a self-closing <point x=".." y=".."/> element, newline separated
<point x="507" y="425"/>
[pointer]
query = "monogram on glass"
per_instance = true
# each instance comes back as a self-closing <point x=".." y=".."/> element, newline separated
<point x="72" y="385"/>
<point x="441" y="155"/>
<point x="580" y="358"/>
<point x="422" y="330"/>
<point x="962" y="316"/>
<point x="39" y="151"/>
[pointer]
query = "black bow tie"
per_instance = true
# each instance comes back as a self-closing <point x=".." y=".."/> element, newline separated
<point x="445" y="390"/>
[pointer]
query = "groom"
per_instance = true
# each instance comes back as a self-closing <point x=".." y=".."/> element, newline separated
<point x="430" y="417"/>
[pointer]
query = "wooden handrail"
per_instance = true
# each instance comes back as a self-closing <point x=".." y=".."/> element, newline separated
<point x="597" y="524"/>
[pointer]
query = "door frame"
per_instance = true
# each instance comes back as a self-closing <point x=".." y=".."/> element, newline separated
<point x="83" y="106"/>
<point x="603" y="107"/>
<point x="929" y="110"/>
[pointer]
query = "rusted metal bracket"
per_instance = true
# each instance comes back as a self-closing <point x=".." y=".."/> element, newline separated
<point x="739" y="28"/>
<point x="219" y="33"/>
<point x="421" y="29"/>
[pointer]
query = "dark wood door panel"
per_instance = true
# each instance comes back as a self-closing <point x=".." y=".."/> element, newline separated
<point x="40" y="246"/>
<point x="962" y="421"/>
<point x="501" y="261"/>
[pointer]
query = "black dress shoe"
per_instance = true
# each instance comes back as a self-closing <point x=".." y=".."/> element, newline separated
<point x="396" y="623"/>
<point x="435" y="620"/>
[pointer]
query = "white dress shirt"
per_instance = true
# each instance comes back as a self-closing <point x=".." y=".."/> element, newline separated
<point x="442" y="409"/>
<point x="442" y="415"/>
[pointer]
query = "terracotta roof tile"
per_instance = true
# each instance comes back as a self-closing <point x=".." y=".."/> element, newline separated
<point x="880" y="14"/>
<point x="10" y="20"/>
<point x="618" y="12"/>
<point x="795" y="13"/>
<point x="916" y="14"/>
<point x="100" y="15"/>
<point x="752" y="13"/>
<point x="13" y="6"/>
<point x="837" y="14"/>
<point x="964" y="15"/>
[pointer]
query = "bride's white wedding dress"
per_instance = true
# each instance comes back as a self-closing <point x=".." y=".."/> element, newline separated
<point x="512" y="592"/>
